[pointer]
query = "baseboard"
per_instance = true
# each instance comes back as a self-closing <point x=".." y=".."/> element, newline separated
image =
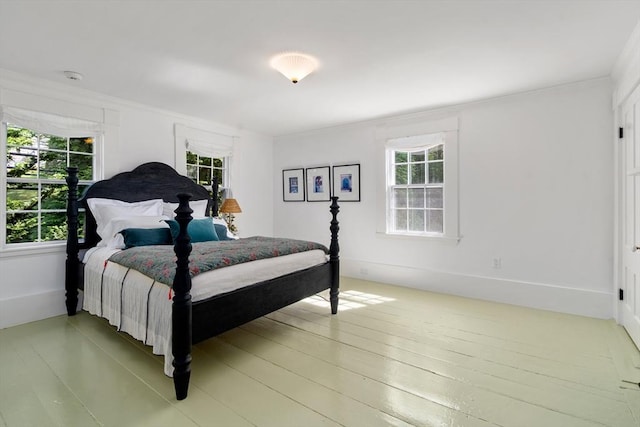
<point x="29" y="308"/>
<point x="534" y="295"/>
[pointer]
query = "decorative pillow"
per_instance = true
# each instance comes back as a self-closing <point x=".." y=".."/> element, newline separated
<point x="199" y="208"/>
<point x="104" y="210"/>
<point x="113" y="238"/>
<point x="221" y="231"/>
<point x="146" y="237"/>
<point x="200" y="230"/>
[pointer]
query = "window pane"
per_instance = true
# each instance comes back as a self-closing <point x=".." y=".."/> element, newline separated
<point x="436" y="172"/>
<point x="54" y="226"/>
<point x="400" y="156"/>
<point x="191" y="158"/>
<point x="436" y="153"/>
<point x="399" y="198"/>
<point x="401" y="174"/>
<point x="22" y="227"/>
<point x="416" y="198"/>
<point x="22" y="163"/>
<point x="204" y="176"/>
<point x="19" y="137"/>
<point x="53" y="196"/>
<point x="22" y="196"/>
<point x="434" y="197"/>
<point x="55" y="142"/>
<point x="218" y="163"/>
<point x="83" y="145"/>
<point x="416" y="220"/>
<point x="192" y="172"/>
<point x="205" y="161"/>
<point x="53" y="165"/>
<point x="84" y="163"/>
<point x="417" y="173"/>
<point x="418" y="156"/>
<point x="218" y="174"/>
<point x="400" y="219"/>
<point x="434" y="224"/>
<point x="81" y="219"/>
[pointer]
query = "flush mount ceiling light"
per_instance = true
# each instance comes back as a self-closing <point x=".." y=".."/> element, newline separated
<point x="294" y="65"/>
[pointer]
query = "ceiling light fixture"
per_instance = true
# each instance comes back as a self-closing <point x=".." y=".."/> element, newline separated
<point x="294" y="65"/>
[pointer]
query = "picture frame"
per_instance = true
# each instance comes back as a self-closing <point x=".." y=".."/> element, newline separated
<point x="346" y="182"/>
<point x="293" y="185"/>
<point x="318" y="184"/>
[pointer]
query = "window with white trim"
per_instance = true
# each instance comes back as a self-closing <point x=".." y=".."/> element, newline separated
<point x="416" y="189"/>
<point x="34" y="192"/>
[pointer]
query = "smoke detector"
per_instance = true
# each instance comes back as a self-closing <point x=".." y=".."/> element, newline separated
<point x="73" y="75"/>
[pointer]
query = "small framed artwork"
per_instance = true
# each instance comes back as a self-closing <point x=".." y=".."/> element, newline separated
<point x="293" y="185"/>
<point x="346" y="182"/>
<point x="318" y="184"/>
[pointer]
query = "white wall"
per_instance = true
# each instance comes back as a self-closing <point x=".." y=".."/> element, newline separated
<point x="535" y="191"/>
<point x="32" y="282"/>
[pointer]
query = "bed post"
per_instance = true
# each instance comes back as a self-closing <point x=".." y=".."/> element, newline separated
<point x="72" y="264"/>
<point x="334" y="258"/>
<point x="181" y="309"/>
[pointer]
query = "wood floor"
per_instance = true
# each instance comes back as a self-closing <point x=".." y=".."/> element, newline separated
<point x="391" y="357"/>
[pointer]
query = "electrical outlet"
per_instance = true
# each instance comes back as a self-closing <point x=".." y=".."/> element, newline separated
<point x="497" y="263"/>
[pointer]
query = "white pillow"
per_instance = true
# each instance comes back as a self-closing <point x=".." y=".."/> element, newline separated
<point x="104" y="210"/>
<point x="221" y="221"/>
<point x="113" y="238"/>
<point x="199" y="208"/>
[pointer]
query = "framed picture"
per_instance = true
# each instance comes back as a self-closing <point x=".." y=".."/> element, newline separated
<point x="318" y="184"/>
<point x="293" y="185"/>
<point x="346" y="183"/>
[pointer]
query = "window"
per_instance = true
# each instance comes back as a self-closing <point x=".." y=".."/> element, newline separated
<point x="203" y="169"/>
<point x="416" y="189"/>
<point x="35" y="187"/>
<point x="418" y="184"/>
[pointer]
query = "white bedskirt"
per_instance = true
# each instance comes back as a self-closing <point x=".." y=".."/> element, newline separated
<point x="141" y="307"/>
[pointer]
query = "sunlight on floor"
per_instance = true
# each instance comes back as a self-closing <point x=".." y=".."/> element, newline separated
<point x="349" y="300"/>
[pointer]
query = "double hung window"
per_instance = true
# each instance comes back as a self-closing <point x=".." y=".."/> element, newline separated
<point x="34" y="190"/>
<point x="421" y="179"/>
<point x="416" y="189"/>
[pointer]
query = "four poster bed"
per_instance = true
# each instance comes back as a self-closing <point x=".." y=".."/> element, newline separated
<point x="129" y="287"/>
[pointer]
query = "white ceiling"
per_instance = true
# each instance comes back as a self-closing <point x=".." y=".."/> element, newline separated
<point x="210" y="59"/>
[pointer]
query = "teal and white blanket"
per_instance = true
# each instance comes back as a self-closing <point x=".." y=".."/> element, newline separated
<point x="159" y="262"/>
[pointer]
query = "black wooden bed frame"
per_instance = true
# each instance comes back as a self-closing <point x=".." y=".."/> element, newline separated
<point x="197" y="321"/>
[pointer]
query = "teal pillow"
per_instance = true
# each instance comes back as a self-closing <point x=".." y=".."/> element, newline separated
<point x="221" y="231"/>
<point x="146" y="237"/>
<point x="200" y="230"/>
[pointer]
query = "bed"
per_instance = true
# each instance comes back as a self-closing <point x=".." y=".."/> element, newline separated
<point x="190" y="320"/>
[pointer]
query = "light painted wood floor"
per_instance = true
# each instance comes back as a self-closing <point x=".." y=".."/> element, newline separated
<point x="392" y="356"/>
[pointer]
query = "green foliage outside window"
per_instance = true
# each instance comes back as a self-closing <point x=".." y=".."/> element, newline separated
<point x="36" y="191"/>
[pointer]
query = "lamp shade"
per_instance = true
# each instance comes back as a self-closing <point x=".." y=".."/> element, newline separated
<point x="230" y="206"/>
<point x="294" y="65"/>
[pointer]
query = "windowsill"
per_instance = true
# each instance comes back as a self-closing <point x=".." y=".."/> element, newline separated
<point x="36" y="249"/>
<point x="449" y="240"/>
